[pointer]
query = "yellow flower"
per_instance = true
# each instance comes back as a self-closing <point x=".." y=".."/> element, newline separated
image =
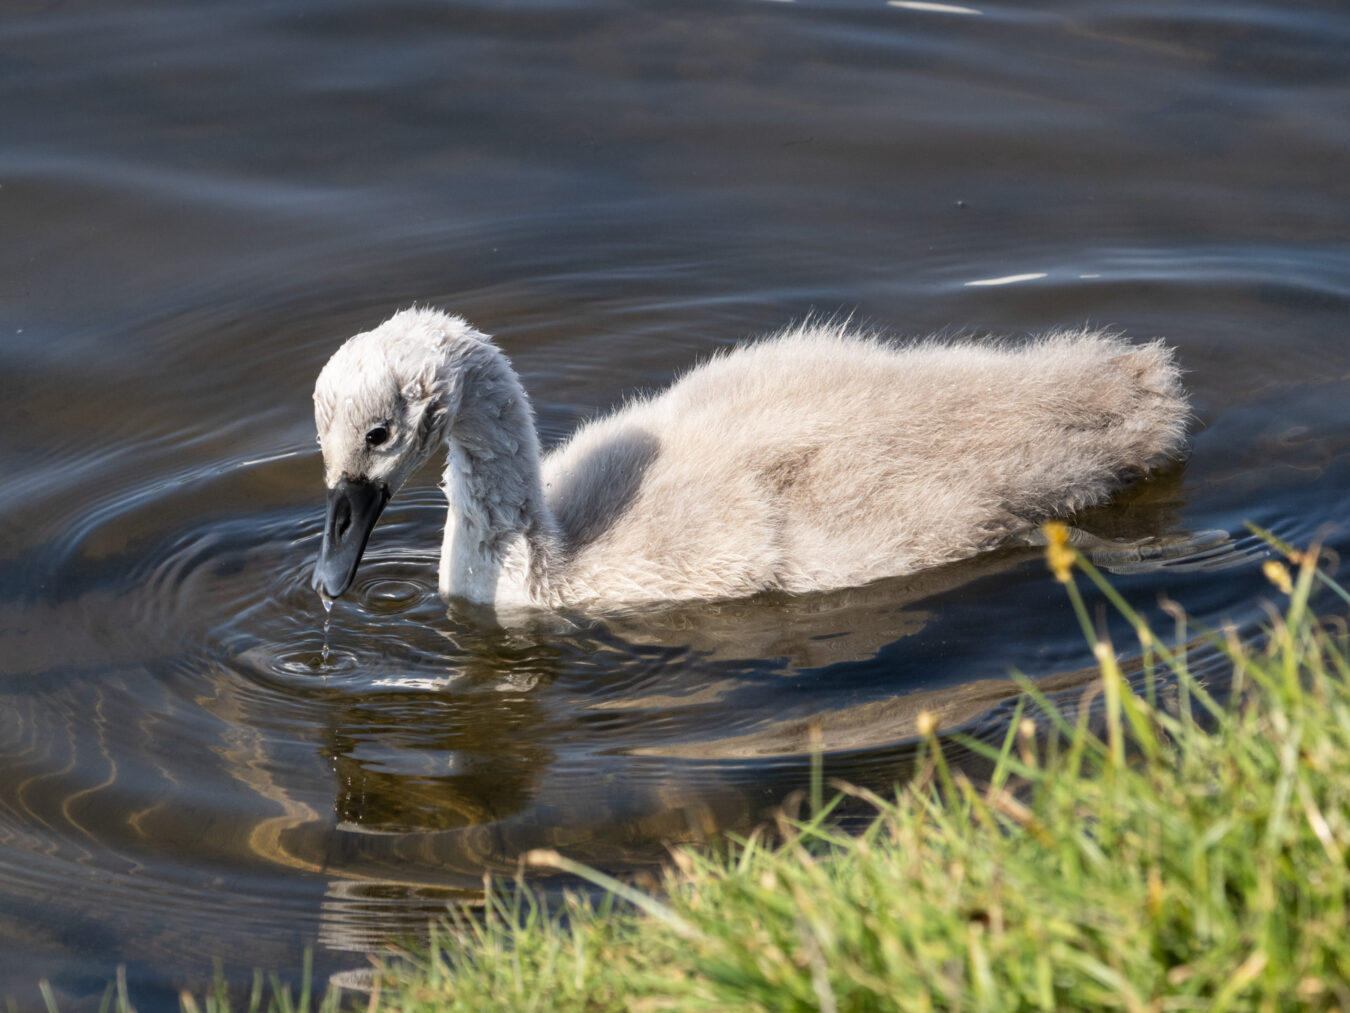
<point x="1278" y="574"/>
<point x="1057" y="551"/>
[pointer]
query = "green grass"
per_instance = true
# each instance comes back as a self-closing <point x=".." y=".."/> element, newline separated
<point x="1188" y="856"/>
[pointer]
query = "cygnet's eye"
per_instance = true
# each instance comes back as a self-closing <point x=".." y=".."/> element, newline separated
<point x="377" y="436"/>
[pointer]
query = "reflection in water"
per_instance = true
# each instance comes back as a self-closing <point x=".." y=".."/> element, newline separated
<point x="456" y="746"/>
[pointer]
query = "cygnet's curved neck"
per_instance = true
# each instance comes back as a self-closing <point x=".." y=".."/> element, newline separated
<point x="499" y="536"/>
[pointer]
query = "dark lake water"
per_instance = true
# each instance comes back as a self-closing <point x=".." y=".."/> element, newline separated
<point x="198" y="202"/>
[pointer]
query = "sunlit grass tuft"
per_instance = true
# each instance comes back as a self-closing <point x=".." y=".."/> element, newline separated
<point x="1165" y="850"/>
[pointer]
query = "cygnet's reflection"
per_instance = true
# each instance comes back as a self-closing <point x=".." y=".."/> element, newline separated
<point x="465" y="745"/>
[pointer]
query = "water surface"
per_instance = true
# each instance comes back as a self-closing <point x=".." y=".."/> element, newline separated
<point x="198" y="203"/>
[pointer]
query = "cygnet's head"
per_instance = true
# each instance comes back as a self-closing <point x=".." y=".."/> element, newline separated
<point x="381" y="405"/>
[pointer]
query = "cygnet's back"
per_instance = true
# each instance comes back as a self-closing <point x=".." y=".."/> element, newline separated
<point x="820" y="459"/>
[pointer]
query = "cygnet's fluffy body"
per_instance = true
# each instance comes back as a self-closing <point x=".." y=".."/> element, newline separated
<point x="815" y="459"/>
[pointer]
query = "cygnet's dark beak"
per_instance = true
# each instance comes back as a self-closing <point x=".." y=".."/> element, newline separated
<point x="354" y="505"/>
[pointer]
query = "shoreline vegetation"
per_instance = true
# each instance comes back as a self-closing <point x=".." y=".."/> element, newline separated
<point x="1160" y="849"/>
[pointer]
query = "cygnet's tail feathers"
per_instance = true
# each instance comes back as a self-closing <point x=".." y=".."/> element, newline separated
<point x="1113" y="411"/>
<point x="1161" y="409"/>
